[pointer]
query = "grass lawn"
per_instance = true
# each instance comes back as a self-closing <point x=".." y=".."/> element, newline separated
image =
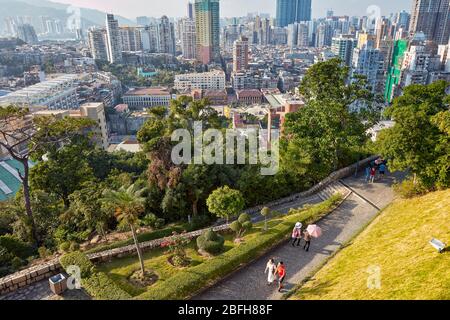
<point x="397" y="243"/>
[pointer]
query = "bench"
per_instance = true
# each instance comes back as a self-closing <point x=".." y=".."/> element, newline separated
<point x="439" y="245"/>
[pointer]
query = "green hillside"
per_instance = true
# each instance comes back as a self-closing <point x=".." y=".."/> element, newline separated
<point x="397" y="243"/>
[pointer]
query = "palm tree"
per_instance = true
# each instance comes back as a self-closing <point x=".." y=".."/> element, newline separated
<point x="128" y="204"/>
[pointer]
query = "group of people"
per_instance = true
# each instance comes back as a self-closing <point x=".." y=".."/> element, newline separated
<point x="298" y="235"/>
<point x="380" y="166"/>
<point x="275" y="271"/>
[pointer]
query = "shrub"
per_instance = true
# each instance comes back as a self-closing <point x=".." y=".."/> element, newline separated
<point x="200" y="221"/>
<point x="74" y="246"/>
<point x="241" y="225"/>
<point x="97" y="284"/>
<point x="44" y="252"/>
<point x="151" y="220"/>
<point x="407" y="189"/>
<point x="65" y="246"/>
<point x="78" y="259"/>
<point x="101" y="287"/>
<point x="16" y="263"/>
<point x="16" y="246"/>
<point x="210" y="242"/>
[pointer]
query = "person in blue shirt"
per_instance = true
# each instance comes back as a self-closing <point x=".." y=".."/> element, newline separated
<point x="382" y="169"/>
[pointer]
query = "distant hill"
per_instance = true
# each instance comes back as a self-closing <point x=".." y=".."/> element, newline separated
<point x="37" y="8"/>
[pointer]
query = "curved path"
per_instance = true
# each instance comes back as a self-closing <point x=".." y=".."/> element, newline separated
<point x="339" y="227"/>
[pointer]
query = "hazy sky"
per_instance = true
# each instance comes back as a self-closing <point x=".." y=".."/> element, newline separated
<point x="229" y="8"/>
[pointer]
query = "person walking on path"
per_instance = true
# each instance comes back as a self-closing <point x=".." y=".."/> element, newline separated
<point x="281" y="270"/>
<point x="373" y="171"/>
<point x="297" y="234"/>
<point x="307" y="238"/>
<point x="382" y="169"/>
<point x="271" y="270"/>
<point x="367" y="172"/>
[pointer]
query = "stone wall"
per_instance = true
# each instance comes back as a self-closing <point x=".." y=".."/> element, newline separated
<point x="335" y="176"/>
<point x="33" y="274"/>
<point x="28" y="276"/>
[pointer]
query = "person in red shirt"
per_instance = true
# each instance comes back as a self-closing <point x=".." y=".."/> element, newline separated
<point x="281" y="271"/>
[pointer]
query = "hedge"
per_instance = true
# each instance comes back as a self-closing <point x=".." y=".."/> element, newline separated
<point x="143" y="237"/>
<point x="17" y="247"/>
<point x="97" y="284"/>
<point x="185" y="283"/>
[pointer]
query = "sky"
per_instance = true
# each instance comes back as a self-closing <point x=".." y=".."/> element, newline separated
<point x="231" y="8"/>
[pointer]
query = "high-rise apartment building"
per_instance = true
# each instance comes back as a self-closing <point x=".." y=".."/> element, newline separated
<point x="188" y="38"/>
<point x="149" y="38"/>
<point x="290" y="11"/>
<point x="114" y="42"/>
<point x="166" y="33"/>
<point x="97" y="43"/>
<point x="324" y="35"/>
<point x="432" y="17"/>
<point x="190" y="10"/>
<point x="240" y="54"/>
<point x="130" y="39"/>
<point x="343" y="46"/>
<point x="368" y="61"/>
<point x="383" y="30"/>
<point x="265" y="32"/>
<point x="403" y="20"/>
<point x="27" y="33"/>
<point x="303" y="35"/>
<point x="207" y="25"/>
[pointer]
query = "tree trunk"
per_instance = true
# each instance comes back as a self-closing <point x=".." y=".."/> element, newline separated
<point x="195" y="208"/>
<point x="27" y="198"/>
<point x="138" y="249"/>
<point x="102" y="230"/>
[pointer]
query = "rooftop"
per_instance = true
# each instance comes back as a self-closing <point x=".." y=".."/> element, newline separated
<point x="150" y="91"/>
<point x="9" y="178"/>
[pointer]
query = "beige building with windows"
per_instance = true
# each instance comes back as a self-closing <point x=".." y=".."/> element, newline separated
<point x="204" y="80"/>
<point x="94" y="111"/>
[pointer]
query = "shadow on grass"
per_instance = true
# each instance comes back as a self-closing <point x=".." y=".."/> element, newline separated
<point x="316" y="290"/>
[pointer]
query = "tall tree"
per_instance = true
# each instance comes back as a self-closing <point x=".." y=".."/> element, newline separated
<point x="24" y="136"/>
<point x="419" y="141"/>
<point x="129" y="205"/>
<point x="64" y="171"/>
<point x="326" y="132"/>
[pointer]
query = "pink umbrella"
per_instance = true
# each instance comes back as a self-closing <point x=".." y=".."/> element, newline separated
<point x="314" y="230"/>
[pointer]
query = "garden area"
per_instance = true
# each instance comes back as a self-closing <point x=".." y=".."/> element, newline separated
<point x="179" y="269"/>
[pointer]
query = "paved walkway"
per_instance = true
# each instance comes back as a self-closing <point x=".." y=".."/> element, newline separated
<point x="338" y="228"/>
<point x="41" y="291"/>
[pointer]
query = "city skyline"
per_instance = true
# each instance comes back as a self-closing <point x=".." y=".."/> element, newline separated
<point x="230" y="8"/>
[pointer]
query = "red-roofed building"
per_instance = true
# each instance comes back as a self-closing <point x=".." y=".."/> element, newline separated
<point x="249" y="96"/>
<point x="215" y="97"/>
